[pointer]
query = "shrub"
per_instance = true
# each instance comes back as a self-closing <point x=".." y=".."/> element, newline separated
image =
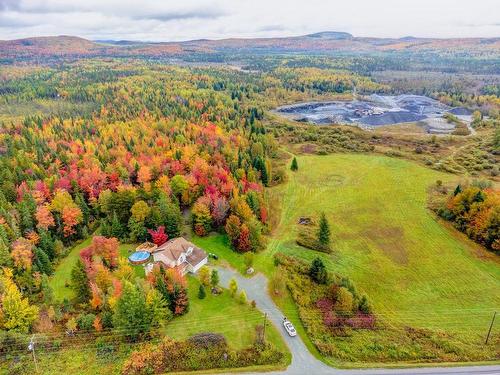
<point x="85" y="321"/>
<point x="207" y="339"/>
<point x="344" y="303"/>
<point x="201" y="292"/>
<point x="242" y="297"/>
<point x="203" y="351"/>
<point x="318" y="271"/>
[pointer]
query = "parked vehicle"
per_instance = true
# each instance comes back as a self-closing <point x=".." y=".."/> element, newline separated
<point x="290" y="329"/>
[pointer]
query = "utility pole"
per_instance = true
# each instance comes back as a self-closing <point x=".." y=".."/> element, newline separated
<point x="264" y="330"/>
<point x="491" y="326"/>
<point x="31" y="347"/>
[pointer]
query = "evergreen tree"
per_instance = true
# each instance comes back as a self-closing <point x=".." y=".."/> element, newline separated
<point x="116" y="226"/>
<point x="80" y="201"/>
<point x="137" y="230"/>
<point x="47" y="292"/>
<point x="43" y="261"/>
<point x="5" y="258"/>
<point x="253" y="202"/>
<point x="318" y="271"/>
<point x="364" y="305"/>
<point x="27" y="223"/>
<point x="132" y="316"/>
<point x="295" y="166"/>
<point x="457" y="191"/>
<point x="201" y="292"/>
<point x="214" y="278"/>
<point x="47" y="244"/>
<point x="80" y="282"/>
<point x="324" y="232"/>
<point x="171" y="216"/>
<point x="264" y="174"/>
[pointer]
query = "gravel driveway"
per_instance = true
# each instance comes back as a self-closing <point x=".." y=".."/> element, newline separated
<point x="303" y="362"/>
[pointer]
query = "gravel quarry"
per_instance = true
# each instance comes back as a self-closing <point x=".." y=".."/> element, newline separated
<point x="377" y="110"/>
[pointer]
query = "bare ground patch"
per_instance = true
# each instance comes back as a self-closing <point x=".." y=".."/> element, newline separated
<point x="390" y="240"/>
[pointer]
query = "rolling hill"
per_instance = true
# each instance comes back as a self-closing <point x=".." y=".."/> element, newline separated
<point x="322" y="42"/>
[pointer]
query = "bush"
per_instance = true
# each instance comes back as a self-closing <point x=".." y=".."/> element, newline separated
<point x="201" y="292"/>
<point x="207" y="339"/>
<point x="203" y="351"/>
<point x="85" y="321"/>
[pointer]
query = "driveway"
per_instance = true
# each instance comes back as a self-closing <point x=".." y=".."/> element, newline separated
<point x="303" y="362"/>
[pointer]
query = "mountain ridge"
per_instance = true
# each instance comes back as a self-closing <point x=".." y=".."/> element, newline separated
<point x="321" y="42"/>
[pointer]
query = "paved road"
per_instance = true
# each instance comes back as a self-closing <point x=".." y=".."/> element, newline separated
<point x="303" y="362"/>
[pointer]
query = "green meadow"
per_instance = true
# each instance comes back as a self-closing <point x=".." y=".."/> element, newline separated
<point x="415" y="270"/>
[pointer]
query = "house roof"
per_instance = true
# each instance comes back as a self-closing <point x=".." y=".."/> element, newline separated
<point x="196" y="256"/>
<point x="172" y="250"/>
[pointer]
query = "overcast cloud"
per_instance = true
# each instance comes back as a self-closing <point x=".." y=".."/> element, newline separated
<point x="166" y="20"/>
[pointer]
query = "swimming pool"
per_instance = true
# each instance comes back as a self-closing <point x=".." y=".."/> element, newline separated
<point x="139" y="257"/>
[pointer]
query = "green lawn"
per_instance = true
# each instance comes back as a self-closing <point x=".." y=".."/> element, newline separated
<point x="219" y="244"/>
<point x="415" y="270"/>
<point x="62" y="274"/>
<point x="221" y="314"/>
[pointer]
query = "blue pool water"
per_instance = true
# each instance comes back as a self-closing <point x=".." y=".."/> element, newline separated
<point x="139" y="256"/>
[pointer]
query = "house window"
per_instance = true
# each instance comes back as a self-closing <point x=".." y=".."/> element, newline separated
<point x="189" y="250"/>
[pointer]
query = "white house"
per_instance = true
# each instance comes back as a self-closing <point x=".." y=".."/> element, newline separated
<point x="178" y="253"/>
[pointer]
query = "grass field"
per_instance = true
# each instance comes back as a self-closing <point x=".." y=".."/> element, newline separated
<point x="62" y="273"/>
<point x="415" y="270"/>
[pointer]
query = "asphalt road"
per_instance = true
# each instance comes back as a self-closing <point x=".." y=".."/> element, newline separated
<point x="303" y="362"/>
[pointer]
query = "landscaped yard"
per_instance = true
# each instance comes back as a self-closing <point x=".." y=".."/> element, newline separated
<point x="221" y="314"/>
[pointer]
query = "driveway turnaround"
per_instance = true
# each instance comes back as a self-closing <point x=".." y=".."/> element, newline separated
<point x="303" y="362"/>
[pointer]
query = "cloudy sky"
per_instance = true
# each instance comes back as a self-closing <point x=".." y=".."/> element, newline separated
<point x="168" y="20"/>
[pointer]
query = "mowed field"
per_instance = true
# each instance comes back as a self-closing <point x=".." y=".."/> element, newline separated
<point x="415" y="270"/>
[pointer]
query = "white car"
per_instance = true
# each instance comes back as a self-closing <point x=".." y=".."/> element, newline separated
<point x="289" y="328"/>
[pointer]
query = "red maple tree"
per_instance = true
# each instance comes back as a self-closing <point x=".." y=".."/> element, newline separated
<point x="159" y="237"/>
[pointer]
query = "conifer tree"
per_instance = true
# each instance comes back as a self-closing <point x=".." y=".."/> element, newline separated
<point x="214" y="278"/>
<point x="295" y="166"/>
<point x="318" y="271"/>
<point x="5" y="258"/>
<point x="132" y="316"/>
<point x="80" y="282"/>
<point x="324" y="232"/>
<point x="201" y="292"/>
